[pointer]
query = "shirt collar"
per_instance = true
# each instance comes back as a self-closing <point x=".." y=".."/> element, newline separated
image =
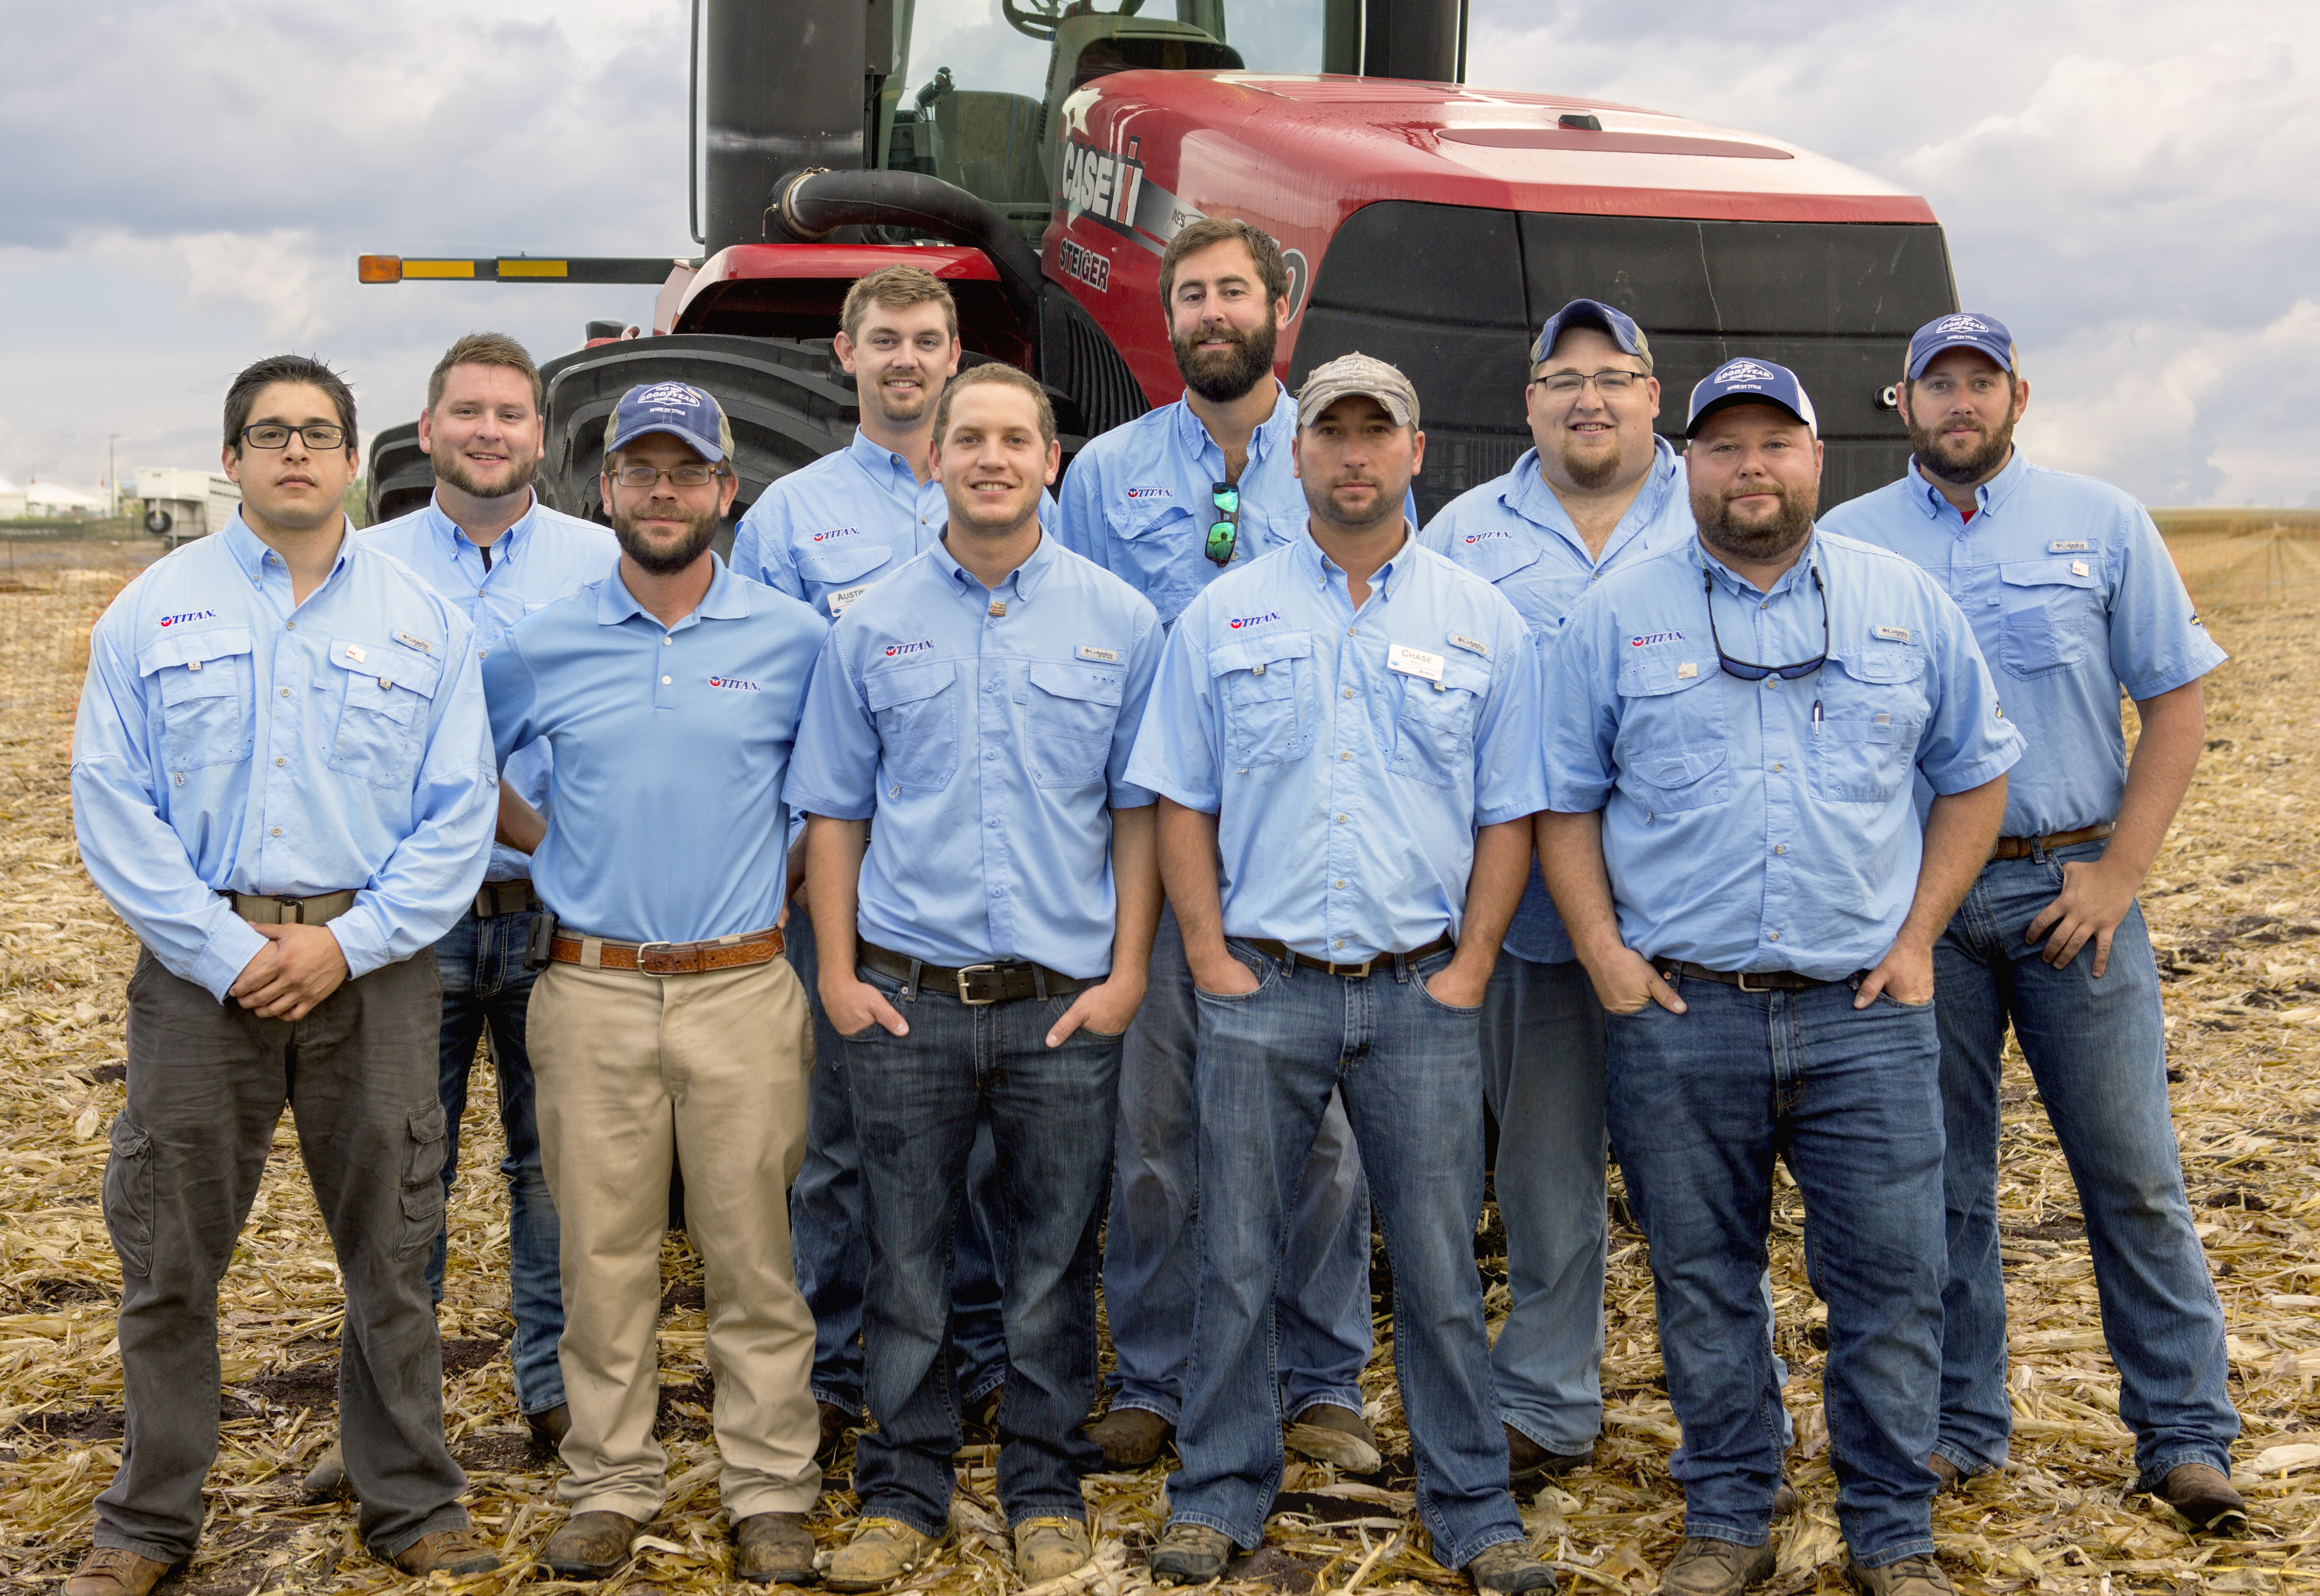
<point x="1989" y="496"/>
<point x="1026" y="577"/>
<point x="453" y="536"/>
<point x="250" y="553"/>
<point x="1272" y="433"/>
<point x="726" y="599"/>
<point x="1795" y="577"/>
<point x="1531" y="498"/>
<point x="1319" y="568"/>
<point x="886" y="467"/>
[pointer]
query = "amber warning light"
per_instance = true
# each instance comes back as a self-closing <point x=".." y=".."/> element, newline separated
<point x="380" y="269"/>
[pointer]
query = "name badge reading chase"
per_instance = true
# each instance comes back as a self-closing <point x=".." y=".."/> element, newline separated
<point x="839" y="600"/>
<point x="1414" y="662"/>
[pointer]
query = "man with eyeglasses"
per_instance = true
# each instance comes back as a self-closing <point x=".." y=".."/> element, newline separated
<point x="283" y="781"/>
<point x="667" y="1026"/>
<point x="1168" y="502"/>
<point x="2074" y="599"/>
<point x="1735" y="850"/>
<point x="1597" y="492"/>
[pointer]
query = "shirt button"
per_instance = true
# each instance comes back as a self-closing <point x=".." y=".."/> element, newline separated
<point x="664" y="681"/>
<point x="1345" y="756"/>
<point x="289" y="625"/>
<point x="1340" y="885"/>
<point x="285" y="693"/>
<point x="277" y="831"/>
<point x="1776" y="767"/>
<point x="1774" y="937"/>
<point x="1353" y="631"/>
<point x="1771" y="683"/>
<point x="280" y="761"/>
<point x="1349" y="692"/>
<point x="1780" y="847"/>
<point x="1341" y="820"/>
<point x="666" y="642"/>
<point x="1338" y="944"/>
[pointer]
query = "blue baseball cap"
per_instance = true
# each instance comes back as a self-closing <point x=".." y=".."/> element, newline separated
<point x="689" y="414"/>
<point x="1593" y="312"/>
<point x="1963" y="330"/>
<point x="1746" y="380"/>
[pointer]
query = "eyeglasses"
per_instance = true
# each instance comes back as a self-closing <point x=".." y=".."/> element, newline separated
<point x="272" y="435"/>
<point x="1224" y="536"/>
<point x="1748" y="671"/>
<point x="1609" y="385"/>
<point x="693" y="473"/>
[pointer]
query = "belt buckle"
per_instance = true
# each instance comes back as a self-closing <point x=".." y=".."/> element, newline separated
<point x="1359" y="972"/>
<point x="644" y="948"/>
<point x="1745" y="987"/>
<point x="286" y="907"/>
<point x="968" y="998"/>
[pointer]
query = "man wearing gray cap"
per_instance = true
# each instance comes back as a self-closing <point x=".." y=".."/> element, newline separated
<point x="1344" y="737"/>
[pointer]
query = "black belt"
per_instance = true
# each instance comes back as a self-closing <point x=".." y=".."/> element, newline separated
<point x="1289" y="955"/>
<point x="976" y="985"/>
<point x="1747" y="980"/>
<point x="505" y="898"/>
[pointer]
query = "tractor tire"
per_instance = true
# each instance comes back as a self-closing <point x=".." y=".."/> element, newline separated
<point x="401" y="478"/>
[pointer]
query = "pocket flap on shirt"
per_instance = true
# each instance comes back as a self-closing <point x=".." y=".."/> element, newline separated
<point x="1097" y="684"/>
<point x="2059" y="571"/>
<point x="192" y="648"/>
<point x="1493" y="558"/>
<point x="1161" y="519"/>
<point x="1656" y="674"/>
<point x="903" y="684"/>
<point x="386" y="662"/>
<point x="1879" y="661"/>
<point x="1263" y="649"/>
<point x="844" y="560"/>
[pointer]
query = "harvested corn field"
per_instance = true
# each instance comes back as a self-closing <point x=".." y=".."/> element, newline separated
<point x="2235" y="909"/>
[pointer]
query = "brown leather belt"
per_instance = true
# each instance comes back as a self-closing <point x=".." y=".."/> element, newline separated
<point x="2023" y="847"/>
<point x="263" y="908"/>
<point x="974" y="985"/>
<point x="1747" y="980"/>
<point x="670" y="959"/>
<point x="505" y="898"/>
<point x="1288" y="955"/>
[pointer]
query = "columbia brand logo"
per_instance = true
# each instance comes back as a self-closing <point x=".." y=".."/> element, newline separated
<point x="837" y="532"/>
<point x="1648" y="638"/>
<point x="1959" y="323"/>
<point x="1150" y="493"/>
<point x="733" y="684"/>
<point x="1239" y="621"/>
<point x="894" y="648"/>
<point x="1742" y="371"/>
<point x="177" y="620"/>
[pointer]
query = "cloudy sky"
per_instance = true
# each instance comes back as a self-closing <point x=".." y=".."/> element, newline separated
<point x="188" y="186"/>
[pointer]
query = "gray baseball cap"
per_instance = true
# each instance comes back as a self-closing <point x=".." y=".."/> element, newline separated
<point x="1358" y="374"/>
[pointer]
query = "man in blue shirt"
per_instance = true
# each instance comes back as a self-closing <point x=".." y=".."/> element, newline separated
<point x="1168" y="502"/>
<point x="1343" y="737"/>
<point x="1598" y="491"/>
<point x="2075" y="601"/>
<point x="1733" y="848"/>
<point x="987" y="940"/>
<point x="667" y="1026"/>
<point x="282" y="782"/>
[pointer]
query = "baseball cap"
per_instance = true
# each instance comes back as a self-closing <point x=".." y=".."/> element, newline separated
<point x="1962" y="330"/>
<point x="691" y="415"/>
<point x="1743" y="380"/>
<point x="1591" y="312"/>
<point x="1357" y="372"/>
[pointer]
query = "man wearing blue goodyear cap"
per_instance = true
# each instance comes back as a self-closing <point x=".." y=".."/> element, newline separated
<point x="987" y="940"/>
<point x="2075" y="601"/>
<point x="283" y="782"/>
<point x="1732" y="731"/>
<point x="1345" y="739"/>
<point x="1169" y="502"/>
<point x="667" y="1027"/>
<point x="1598" y="491"/>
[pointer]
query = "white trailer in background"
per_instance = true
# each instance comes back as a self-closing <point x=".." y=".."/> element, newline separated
<point x="182" y="504"/>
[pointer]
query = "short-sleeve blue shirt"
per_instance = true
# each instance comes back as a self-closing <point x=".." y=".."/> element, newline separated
<point x="1346" y="790"/>
<point x="1767" y="825"/>
<point x="988" y="732"/>
<point x="1515" y="535"/>
<point x="2073" y="598"/>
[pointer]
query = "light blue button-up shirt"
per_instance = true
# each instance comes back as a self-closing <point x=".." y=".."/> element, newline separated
<point x="1346" y="790"/>
<point x="545" y="556"/>
<point x="826" y="531"/>
<point x="232" y="740"/>
<point x="671" y="742"/>
<point x="1514" y="534"/>
<point x="2073" y="597"/>
<point x="1767" y="825"/>
<point x="988" y="732"/>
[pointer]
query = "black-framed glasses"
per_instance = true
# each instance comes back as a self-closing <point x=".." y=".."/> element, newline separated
<point x="1747" y="671"/>
<point x="693" y="473"/>
<point x="1224" y="534"/>
<point x="272" y="435"/>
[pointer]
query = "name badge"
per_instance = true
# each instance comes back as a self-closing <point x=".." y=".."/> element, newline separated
<point x="1414" y="662"/>
<point x="421" y="643"/>
<point x="355" y="654"/>
<point x="2067" y="545"/>
<point x="1894" y="634"/>
<point x="1471" y="645"/>
<point x="1687" y="671"/>
<point x="844" y="597"/>
<point x="1109" y="656"/>
<point x="2077" y="568"/>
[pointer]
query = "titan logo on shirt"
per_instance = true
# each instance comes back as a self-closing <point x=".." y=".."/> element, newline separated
<point x="1238" y="621"/>
<point x="733" y="684"/>
<point x="1149" y="493"/>
<point x="174" y="620"/>
<point x="837" y="532"/>
<point x="1648" y="638"/>
<point x="1485" y="536"/>
<point x="894" y="648"/>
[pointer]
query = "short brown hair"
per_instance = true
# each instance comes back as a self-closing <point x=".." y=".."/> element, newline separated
<point x="896" y="288"/>
<point x="485" y="348"/>
<point x="261" y="374"/>
<point x="998" y="373"/>
<point x="1221" y="229"/>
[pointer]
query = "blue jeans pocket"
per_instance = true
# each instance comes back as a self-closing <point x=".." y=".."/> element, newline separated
<point x="1265" y="969"/>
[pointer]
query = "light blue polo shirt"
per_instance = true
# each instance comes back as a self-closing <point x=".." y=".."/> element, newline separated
<point x="671" y="745"/>
<point x="1513" y="533"/>
<point x="2073" y="599"/>
<point x="987" y="731"/>
<point x="232" y="739"/>
<point x="543" y="557"/>
<point x="1346" y="790"/>
<point x="1767" y="825"/>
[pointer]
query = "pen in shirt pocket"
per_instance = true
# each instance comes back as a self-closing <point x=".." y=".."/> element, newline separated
<point x="1815" y="718"/>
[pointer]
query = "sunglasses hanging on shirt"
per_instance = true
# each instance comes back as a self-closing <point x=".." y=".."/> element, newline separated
<point x="1747" y="671"/>
<point x="1224" y="536"/>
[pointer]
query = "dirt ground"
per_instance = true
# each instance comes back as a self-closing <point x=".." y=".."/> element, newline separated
<point x="2234" y="903"/>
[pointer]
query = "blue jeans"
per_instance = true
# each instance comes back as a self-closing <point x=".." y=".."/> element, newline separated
<point x="918" y="1102"/>
<point x="1700" y="1103"/>
<point x="826" y="1224"/>
<point x="1151" y="1261"/>
<point x="484" y="983"/>
<point x="1409" y="1072"/>
<point x="2097" y="1049"/>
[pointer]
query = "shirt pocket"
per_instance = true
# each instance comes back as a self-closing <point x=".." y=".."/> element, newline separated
<point x="2050" y="606"/>
<point x="1070" y="712"/>
<point x="1673" y="751"/>
<point x="382" y="695"/>
<point x="1873" y="711"/>
<point x="1162" y="548"/>
<point x="206" y="684"/>
<point x="847" y="559"/>
<point x="1265" y="687"/>
<point x="1433" y="729"/>
<point x="917" y="710"/>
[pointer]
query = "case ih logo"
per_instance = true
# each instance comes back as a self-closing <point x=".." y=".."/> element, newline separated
<point x="733" y="684"/>
<point x="1084" y="264"/>
<point x="1648" y="638"/>
<point x="1743" y="370"/>
<point x="837" y="532"/>
<point x="894" y="648"/>
<point x="1099" y="184"/>
<point x="178" y="620"/>
<point x="1239" y="621"/>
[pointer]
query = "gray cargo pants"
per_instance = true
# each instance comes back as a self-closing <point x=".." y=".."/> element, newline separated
<point x="206" y="1085"/>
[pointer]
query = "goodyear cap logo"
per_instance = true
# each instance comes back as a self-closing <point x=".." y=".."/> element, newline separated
<point x="1961" y="329"/>
<point x="691" y="415"/>
<point x="1745" y="381"/>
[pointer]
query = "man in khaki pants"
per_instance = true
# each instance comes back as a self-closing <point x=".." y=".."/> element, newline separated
<point x="666" y="1028"/>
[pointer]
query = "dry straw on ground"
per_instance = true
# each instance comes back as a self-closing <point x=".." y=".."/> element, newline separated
<point x="2234" y="902"/>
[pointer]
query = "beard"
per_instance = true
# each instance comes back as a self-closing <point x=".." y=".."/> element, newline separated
<point x="898" y="411"/>
<point x="1785" y="531"/>
<point x="1963" y="470"/>
<point x="1321" y="498"/>
<point x="1589" y="474"/>
<point x="515" y="476"/>
<point x="1221" y="378"/>
<point x="666" y="561"/>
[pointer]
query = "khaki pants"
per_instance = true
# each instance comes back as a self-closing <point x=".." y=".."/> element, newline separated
<point x="635" y="1072"/>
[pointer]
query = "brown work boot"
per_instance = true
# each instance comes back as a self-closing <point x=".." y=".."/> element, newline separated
<point x="1952" y="1477"/>
<point x="589" y="1546"/>
<point x="116" y="1571"/>
<point x="1049" y="1548"/>
<point x="1190" y="1554"/>
<point x="549" y="1426"/>
<point x="882" y="1551"/>
<point x="774" y="1549"/>
<point x="981" y="1415"/>
<point x="1910" y="1576"/>
<point x="2204" y="1496"/>
<point x="1785" y="1500"/>
<point x="1704" y="1568"/>
<point x="1507" y="1569"/>
<point x="1131" y="1438"/>
<point x="328" y="1477"/>
<point x="834" y="1423"/>
<point x="1530" y="1465"/>
<point x="1328" y="1433"/>
<point x="446" y="1551"/>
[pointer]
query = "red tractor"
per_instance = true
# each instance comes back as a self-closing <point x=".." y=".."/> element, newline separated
<point x="1039" y="154"/>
